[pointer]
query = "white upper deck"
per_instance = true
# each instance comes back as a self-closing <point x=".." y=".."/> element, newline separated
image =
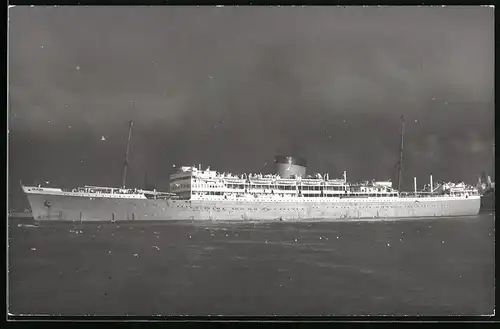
<point x="190" y="182"/>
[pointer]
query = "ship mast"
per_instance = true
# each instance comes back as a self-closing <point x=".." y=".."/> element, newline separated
<point x="131" y="123"/>
<point x="400" y="167"/>
<point x="493" y="162"/>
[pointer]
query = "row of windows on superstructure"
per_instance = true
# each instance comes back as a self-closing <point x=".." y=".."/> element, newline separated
<point x="268" y="187"/>
<point x="324" y="188"/>
<point x="279" y="188"/>
<point x="261" y="186"/>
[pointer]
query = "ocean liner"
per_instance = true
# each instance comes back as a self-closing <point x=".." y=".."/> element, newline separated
<point x="287" y="194"/>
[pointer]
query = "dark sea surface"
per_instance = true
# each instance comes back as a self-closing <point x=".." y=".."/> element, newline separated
<point x="442" y="266"/>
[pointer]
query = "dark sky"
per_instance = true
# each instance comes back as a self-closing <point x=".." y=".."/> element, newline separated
<point x="231" y="87"/>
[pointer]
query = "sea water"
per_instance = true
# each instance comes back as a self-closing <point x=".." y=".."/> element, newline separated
<point x="440" y="266"/>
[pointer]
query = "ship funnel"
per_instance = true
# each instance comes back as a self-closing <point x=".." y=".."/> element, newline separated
<point x="415" y="184"/>
<point x="432" y="187"/>
<point x="287" y="167"/>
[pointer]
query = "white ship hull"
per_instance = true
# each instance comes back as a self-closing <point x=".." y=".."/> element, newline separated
<point x="81" y="208"/>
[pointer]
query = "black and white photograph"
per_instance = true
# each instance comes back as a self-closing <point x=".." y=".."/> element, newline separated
<point x="250" y="161"/>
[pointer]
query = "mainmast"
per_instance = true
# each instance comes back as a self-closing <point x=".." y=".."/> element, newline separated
<point x="400" y="167"/>
<point x="131" y="123"/>
<point x="493" y="158"/>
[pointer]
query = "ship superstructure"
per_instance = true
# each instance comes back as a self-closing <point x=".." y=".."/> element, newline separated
<point x="192" y="183"/>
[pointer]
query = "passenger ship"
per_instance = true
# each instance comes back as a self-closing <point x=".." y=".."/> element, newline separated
<point x="288" y="194"/>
